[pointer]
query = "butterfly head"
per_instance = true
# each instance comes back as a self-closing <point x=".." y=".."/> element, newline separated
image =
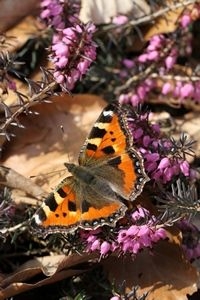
<point x="70" y="167"/>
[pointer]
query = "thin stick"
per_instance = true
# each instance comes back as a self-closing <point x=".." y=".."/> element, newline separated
<point x="11" y="178"/>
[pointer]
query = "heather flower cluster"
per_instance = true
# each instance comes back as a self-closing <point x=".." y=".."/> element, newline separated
<point x="155" y="67"/>
<point x="72" y="53"/>
<point x="152" y="54"/>
<point x="141" y="233"/>
<point x="52" y="13"/>
<point x="73" y="49"/>
<point x="59" y="14"/>
<point x="163" y="158"/>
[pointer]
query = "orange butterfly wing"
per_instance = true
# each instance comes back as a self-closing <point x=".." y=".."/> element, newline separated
<point x="110" y="139"/>
<point x="63" y="212"/>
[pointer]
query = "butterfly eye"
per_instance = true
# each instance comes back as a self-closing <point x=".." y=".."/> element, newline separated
<point x="70" y="167"/>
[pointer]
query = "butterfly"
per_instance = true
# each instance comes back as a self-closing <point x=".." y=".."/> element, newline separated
<point x="109" y="172"/>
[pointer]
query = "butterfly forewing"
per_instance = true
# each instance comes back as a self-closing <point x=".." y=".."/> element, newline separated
<point x="106" y="137"/>
<point x="110" y="144"/>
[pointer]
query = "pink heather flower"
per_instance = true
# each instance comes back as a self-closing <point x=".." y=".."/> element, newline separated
<point x="121" y="236"/>
<point x="164" y="163"/>
<point x="146" y="141"/>
<point x="177" y="89"/>
<point x="91" y="238"/>
<point x="144" y="230"/>
<point x="187" y="90"/>
<point x="62" y="62"/>
<point x="168" y="173"/>
<point x="160" y="233"/>
<point x="143" y="58"/>
<point x="127" y="246"/>
<point x="149" y="83"/>
<point x="170" y="61"/>
<point x="141" y="212"/>
<point x="128" y="63"/>
<point x="150" y="166"/>
<point x="138" y="133"/>
<point x="59" y="77"/>
<point x="141" y="91"/>
<point x="45" y="3"/>
<point x="185" y="168"/>
<point x="156" y="128"/>
<point x="123" y="98"/>
<point x="45" y="14"/>
<point x="152" y="156"/>
<point x="82" y="66"/>
<point x="135" y="100"/>
<point x="69" y="34"/>
<point x="105" y="248"/>
<point x="156" y="42"/>
<point x="185" y="20"/>
<point x="120" y="20"/>
<point x="145" y="237"/>
<point x="166" y="88"/>
<point x="95" y="245"/>
<point x="60" y="49"/>
<point x="135" y="247"/>
<point x="57" y="22"/>
<point x="153" y="55"/>
<point x="115" y="298"/>
<point x="132" y="231"/>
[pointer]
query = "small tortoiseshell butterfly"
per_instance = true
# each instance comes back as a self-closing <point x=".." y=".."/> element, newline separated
<point x="109" y="172"/>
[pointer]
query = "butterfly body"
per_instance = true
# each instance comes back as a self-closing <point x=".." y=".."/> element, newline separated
<point x="109" y="172"/>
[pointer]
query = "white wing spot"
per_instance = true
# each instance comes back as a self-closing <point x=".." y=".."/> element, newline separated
<point x="107" y="113"/>
<point x="37" y="220"/>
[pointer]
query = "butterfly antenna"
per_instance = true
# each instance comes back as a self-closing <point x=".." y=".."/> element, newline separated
<point x="47" y="173"/>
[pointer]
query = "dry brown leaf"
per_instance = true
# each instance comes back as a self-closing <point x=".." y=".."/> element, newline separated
<point x="24" y="30"/>
<point x="50" y="268"/>
<point x="164" y="24"/>
<point x="12" y="11"/>
<point x="167" y="22"/>
<point x="164" y="273"/>
<point x="43" y="147"/>
<point x="102" y="11"/>
<point x="190" y="124"/>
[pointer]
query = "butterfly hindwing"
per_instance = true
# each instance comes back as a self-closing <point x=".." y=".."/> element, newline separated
<point x="64" y="210"/>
